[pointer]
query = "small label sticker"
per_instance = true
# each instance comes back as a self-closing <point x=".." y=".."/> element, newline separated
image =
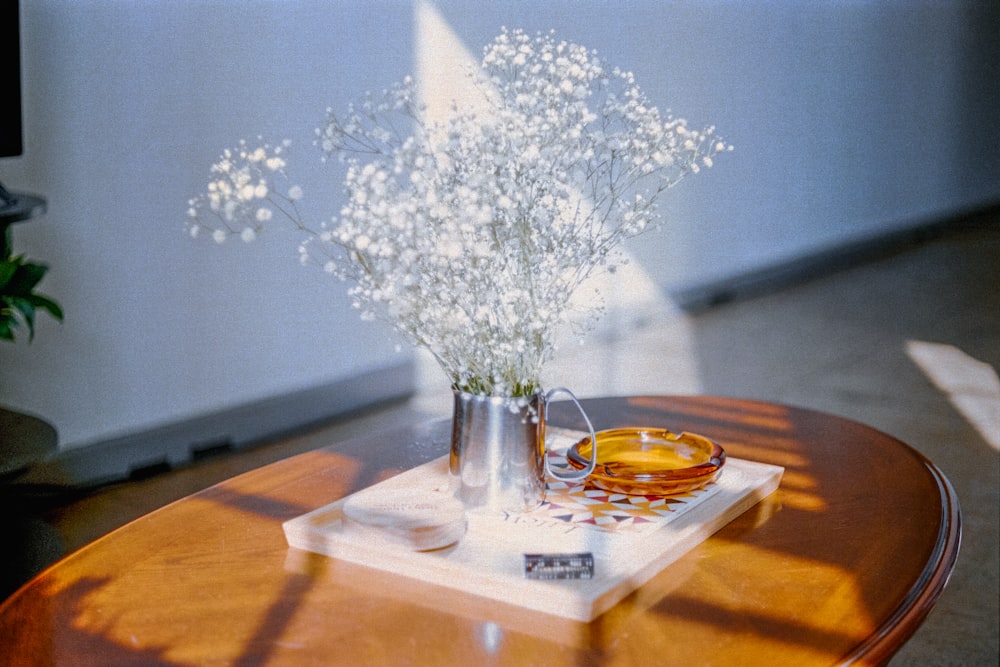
<point x="559" y="566"/>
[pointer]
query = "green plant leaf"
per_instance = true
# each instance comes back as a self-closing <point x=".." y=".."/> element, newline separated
<point x="18" y="300"/>
<point x="51" y="307"/>
<point x="7" y="271"/>
<point x="24" y="310"/>
<point x="25" y="278"/>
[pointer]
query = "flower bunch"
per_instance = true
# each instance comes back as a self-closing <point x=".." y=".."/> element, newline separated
<point x="470" y="234"/>
<point x="241" y="195"/>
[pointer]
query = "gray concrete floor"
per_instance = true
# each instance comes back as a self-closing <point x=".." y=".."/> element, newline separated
<point x="908" y="344"/>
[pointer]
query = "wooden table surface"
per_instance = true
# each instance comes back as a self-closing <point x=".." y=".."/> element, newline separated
<point x="841" y="564"/>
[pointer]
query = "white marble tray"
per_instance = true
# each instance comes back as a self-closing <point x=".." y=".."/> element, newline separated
<point x="632" y="538"/>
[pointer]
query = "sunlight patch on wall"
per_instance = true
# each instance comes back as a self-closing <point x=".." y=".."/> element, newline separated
<point x="657" y="361"/>
<point x="971" y="385"/>
<point x="442" y="66"/>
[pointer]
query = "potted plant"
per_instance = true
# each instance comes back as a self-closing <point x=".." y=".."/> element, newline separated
<point x="18" y="299"/>
<point x="24" y="439"/>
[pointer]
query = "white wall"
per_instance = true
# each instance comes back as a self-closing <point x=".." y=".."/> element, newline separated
<point x="850" y="119"/>
<point x="127" y="104"/>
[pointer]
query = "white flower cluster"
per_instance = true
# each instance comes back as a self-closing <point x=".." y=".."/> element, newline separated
<point x="241" y="195"/>
<point x="470" y="235"/>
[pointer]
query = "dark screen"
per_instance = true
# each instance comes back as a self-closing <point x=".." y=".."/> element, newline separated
<point x="10" y="80"/>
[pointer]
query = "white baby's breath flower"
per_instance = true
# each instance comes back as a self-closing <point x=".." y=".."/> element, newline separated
<point x="470" y="235"/>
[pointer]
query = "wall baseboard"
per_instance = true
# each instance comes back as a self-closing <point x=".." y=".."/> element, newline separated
<point x="177" y="444"/>
<point x="702" y="296"/>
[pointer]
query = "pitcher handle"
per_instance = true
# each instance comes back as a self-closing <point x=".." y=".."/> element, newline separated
<point x="575" y="475"/>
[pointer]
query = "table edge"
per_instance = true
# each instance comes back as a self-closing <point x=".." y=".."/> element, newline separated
<point x="900" y="626"/>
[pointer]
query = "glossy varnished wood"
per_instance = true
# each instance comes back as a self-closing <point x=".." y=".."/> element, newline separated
<point x="840" y="565"/>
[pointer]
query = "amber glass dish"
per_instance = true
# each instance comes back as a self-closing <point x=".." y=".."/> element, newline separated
<point x="650" y="461"/>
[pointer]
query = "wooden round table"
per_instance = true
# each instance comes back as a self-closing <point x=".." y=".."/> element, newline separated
<point x="840" y="565"/>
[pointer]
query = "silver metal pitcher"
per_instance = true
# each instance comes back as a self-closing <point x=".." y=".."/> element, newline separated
<point x="498" y="457"/>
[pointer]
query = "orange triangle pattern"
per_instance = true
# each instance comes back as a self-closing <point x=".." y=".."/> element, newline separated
<point x="606" y="510"/>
